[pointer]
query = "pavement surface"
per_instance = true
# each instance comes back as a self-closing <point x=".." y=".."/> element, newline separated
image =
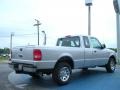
<point x="93" y="79"/>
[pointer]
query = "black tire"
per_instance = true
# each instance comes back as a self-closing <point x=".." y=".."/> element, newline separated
<point x="62" y="73"/>
<point x="111" y="65"/>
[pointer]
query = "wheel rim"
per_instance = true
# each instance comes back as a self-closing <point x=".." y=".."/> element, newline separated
<point x="64" y="74"/>
<point x="112" y="65"/>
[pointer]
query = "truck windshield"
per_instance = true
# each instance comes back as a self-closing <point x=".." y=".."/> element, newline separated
<point x="69" y="41"/>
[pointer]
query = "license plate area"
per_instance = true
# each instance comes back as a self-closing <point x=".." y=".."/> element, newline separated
<point x="24" y="67"/>
<point x="18" y="66"/>
<point x="29" y="69"/>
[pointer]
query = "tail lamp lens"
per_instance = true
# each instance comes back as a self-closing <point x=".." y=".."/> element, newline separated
<point x="37" y="54"/>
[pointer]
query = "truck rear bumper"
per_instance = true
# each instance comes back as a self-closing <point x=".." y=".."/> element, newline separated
<point x="44" y="64"/>
<point x="26" y="66"/>
<point x="23" y="67"/>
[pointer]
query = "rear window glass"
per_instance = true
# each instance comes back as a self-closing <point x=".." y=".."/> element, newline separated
<point x="69" y="42"/>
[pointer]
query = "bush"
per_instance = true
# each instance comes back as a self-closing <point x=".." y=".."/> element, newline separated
<point x="114" y="49"/>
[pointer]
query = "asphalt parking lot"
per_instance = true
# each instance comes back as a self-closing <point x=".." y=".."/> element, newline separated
<point x="94" y="79"/>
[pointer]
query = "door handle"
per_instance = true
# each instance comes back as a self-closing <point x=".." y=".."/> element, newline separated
<point x="20" y="56"/>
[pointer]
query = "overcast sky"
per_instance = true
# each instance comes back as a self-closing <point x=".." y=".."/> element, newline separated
<point x="58" y="18"/>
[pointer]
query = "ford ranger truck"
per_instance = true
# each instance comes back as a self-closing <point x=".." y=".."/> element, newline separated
<point x="70" y="52"/>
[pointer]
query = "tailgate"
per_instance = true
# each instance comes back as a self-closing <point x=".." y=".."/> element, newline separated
<point x="22" y="53"/>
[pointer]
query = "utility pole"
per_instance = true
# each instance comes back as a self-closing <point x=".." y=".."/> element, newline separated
<point x="116" y="4"/>
<point x="44" y="43"/>
<point x="11" y="40"/>
<point x="118" y="37"/>
<point x="89" y="4"/>
<point x="89" y="20"/>
<point x="38" y="23"/>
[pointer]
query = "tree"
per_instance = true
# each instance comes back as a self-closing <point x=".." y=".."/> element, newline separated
<point x="4" y="51"/>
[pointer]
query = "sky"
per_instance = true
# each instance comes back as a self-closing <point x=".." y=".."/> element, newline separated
<point x="58" y="18"/>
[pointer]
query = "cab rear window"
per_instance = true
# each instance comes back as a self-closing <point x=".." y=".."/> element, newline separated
<point x="69" y="42"/>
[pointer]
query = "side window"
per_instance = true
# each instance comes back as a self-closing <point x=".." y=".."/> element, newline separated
<point x="95" y="43"/>
<point x="86" y="42"/>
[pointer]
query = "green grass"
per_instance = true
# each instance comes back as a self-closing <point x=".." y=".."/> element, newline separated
<point x="3" y="58"/>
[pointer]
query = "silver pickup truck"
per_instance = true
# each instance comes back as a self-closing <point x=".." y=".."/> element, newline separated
<point x="70" y="52"/>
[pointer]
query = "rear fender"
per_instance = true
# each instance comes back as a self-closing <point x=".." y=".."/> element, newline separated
<point x="67" y="59"/>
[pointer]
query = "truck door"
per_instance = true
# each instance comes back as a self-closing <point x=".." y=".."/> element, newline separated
<point x="99" y="54"/>
<point x="87" y="52"/>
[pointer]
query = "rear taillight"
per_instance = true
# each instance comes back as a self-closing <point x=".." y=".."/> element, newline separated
<point x="37" y="54"/>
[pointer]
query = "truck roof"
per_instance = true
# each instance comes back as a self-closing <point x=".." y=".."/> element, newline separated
<point x="75" y="36"/>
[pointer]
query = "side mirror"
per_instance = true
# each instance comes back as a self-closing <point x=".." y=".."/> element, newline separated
<point x="103" y="46"/>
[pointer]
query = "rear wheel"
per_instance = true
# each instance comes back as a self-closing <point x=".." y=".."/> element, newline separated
<point x="110" y="67"/>
<point x="62" y="73"/>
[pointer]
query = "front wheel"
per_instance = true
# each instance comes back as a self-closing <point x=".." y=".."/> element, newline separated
<point x="110" y="67"/>
<point x="62" y="73"/>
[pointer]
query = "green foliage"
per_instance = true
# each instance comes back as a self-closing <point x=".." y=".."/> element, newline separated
<point x="114" y="49"/>
<point x="4" y="51"/>
<point x="4" y="54"/>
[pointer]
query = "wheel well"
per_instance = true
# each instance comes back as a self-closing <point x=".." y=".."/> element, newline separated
<point x="66" y="59"/>
<point x="113" y="58"/>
